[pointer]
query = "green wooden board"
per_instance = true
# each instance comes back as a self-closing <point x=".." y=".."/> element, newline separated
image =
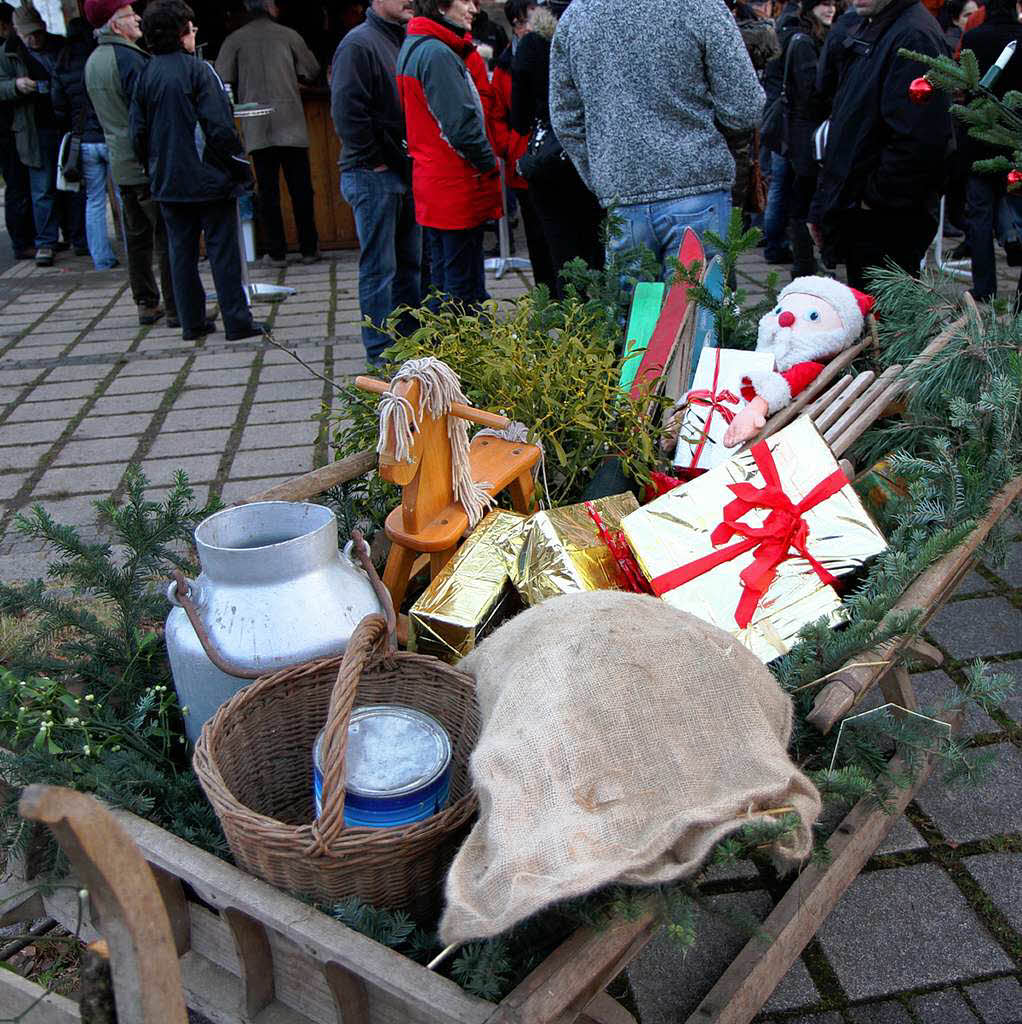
<point x="645" y="311"/>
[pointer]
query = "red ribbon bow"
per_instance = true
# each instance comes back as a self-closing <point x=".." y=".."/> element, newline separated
<point x="629" y="574"/>
<point x="783" y="534"/>
<point x="715" y="401"/>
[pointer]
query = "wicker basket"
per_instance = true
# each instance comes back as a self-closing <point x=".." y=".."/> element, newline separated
<point x="254" y="760"/>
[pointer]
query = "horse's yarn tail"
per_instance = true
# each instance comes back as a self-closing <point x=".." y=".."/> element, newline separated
<point x="439" y="389"/>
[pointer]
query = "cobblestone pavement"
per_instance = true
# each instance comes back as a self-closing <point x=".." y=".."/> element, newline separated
<point x="931" y="932"/>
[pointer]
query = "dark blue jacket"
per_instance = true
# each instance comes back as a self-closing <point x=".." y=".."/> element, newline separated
<point x="182" y="130"/>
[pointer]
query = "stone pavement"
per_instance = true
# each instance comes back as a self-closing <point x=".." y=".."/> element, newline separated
<point x="930" y="933"/>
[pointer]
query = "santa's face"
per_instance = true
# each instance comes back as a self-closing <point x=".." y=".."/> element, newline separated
<point x="801" y="328"/>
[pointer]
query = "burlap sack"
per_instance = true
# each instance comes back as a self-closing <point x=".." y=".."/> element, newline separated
<point x="621" y="740"/>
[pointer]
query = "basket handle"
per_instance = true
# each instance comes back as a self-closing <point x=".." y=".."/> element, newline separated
<point x="368" y="643"/>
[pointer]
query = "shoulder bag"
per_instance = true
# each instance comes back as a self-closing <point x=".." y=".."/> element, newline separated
<point x="544" y="156"/>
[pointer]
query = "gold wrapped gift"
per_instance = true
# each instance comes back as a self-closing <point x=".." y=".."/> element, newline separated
<point x="563" y="552"/>
<point x="472" y="594"/>
<point x="807" y="526"/>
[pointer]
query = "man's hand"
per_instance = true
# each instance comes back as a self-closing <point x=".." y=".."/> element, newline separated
<point x="747" y="423"/>
<point x="379" y="168"/>
<point x="25" y="85"/>
<point x="816" y="234"/>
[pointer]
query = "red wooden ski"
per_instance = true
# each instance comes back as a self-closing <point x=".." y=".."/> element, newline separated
<point x="662" y="345"/>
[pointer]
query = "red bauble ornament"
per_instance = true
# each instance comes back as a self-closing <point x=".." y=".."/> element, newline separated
<point x="1014" y="180"/>
<point x="920" y="90"/>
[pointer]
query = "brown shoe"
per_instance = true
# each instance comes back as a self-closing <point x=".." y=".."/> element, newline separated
<point x="148" y="315"/>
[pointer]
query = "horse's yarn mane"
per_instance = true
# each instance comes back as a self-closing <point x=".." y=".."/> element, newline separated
<point x="439" y="388"/>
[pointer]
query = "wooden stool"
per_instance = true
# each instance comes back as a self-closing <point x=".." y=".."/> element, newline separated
<point x="429" y="522"/>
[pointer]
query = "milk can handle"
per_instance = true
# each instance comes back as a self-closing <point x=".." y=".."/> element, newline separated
<point x="180" y="592"/>
<point x="370" y="641"/>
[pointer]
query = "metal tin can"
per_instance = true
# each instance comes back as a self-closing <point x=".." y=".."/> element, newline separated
<point x="398" y="767"/>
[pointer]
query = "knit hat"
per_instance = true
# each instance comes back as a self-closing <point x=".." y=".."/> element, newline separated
<point x="27" y="20"/>
<point x="850" y="304"/>
<point x="99" y="12"/>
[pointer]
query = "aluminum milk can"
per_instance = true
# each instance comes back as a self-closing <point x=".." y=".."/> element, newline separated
<point x="274" y="591"/>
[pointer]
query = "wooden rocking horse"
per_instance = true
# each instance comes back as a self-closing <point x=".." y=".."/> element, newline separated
<point x="430" y="520"/>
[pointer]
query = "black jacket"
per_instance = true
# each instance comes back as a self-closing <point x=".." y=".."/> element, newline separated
<point x="364" y="101"/>
<point x="884" y="150"/>
<point x="530" y="82"/>
<point x="803" y="108"/>
<point x="987" y="41"/>
<point x="834" y="59"/>
<point x="70" y="100"/>
<point x="182" y="131"/>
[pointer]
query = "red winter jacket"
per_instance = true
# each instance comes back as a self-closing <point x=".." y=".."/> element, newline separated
<point x="455" y="181"/>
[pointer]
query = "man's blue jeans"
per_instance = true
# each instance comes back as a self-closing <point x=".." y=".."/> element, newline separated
<point x="775" y="216"/>
<point x="43" y="181"/>
<point x="661" y="226"/>
<point x="95" y="171"/>
<point x="456" y="266"/>
<point x="391" y="243"/>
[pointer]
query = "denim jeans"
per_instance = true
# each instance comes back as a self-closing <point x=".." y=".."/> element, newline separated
<point x="95" y="171"/>
<point x="661" y="226"/>
<point x="456" y="268"/>
<point x="43" y="181"/>
<point x="389" y="265"/>
<point x="775" y="217"/>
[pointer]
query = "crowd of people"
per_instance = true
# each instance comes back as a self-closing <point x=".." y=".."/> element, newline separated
<point x="668" y="112"/>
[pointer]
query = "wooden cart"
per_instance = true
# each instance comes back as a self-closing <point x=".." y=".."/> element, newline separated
<point x="249" y="954"/>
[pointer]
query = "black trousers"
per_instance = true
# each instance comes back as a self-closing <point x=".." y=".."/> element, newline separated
<point x="803" y="251"/>
<point x="218" y="221"/>
<point x="535" y="241"/>
<point x="984" y="193"/>
<point x="294" y="162"/>
<point x="570" y="217"/>
<point x="145" y="235"/>
<point x="17" y="197"/>
<point x="872" y="238"/>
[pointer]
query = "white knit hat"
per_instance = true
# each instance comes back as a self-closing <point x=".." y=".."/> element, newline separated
<point x="851" y="305"/>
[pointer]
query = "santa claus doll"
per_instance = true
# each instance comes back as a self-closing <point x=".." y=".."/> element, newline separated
<point x="815" y="318"/>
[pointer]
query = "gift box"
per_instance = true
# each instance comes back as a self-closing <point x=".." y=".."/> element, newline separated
<point x="755" y="545"/>
<point x="564" y="551"/>
<point x="472" y="594"/>
<point x="713" y="402"/>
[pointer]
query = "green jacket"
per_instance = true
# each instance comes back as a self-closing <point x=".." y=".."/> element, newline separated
<point x="110" y="76"/>
<point x="19" y="108"/>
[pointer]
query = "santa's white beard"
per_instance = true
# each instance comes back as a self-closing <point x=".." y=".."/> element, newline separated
<point x="789" y="348"/>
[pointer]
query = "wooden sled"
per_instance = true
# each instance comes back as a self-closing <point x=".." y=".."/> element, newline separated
<point x="250" y="954"/>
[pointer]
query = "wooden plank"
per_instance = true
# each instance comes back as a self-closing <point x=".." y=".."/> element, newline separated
<point x="830" y="414"/>
<point x="753" y="975"/>
<point x="425" y="995"/>
<point x="255" y="958"/>
<point x="176" y="905"/>
<point x="143" y="960"/>
<point x="896" y="686"/>
<point x="22" y="906"/>
<point x="925" y="593"/>
<point x="571" y="977"/>
<point x="308" y="485"/>
<point x="349" y="992"/>
<point x="830" y="395"/>
<point x="869" y="405"/>
<point x="605" y="1009"/>
<point x="647" y="299"/>
<point x="830" y="373"/>
<point x="17" y="994"/>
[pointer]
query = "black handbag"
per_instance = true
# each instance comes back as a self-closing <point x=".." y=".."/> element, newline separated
<point x="773" y="130"/>
<point x="71" y="164"/>
<point x="544" y="156"/>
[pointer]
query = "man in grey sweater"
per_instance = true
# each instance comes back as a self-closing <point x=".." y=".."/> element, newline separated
<point x="638" y="94"/>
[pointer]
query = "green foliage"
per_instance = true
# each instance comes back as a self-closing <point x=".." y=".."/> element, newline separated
<point x="988" y="118"/>
<point x="552" y="366"/>
<point x="737" y="323"/>
<point x="86" y="701"/>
